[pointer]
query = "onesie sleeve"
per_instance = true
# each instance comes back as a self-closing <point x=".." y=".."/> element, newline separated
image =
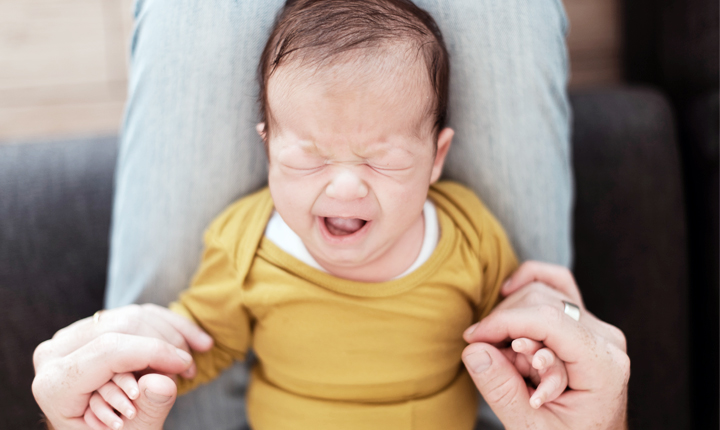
<point x="498" y="261"/>
<point x="486" y="237"/>
<point x="214" y="302"/>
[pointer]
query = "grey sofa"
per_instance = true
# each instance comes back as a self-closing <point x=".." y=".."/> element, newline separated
<point x="673" y="45"/>
<point x="631" y="257"/>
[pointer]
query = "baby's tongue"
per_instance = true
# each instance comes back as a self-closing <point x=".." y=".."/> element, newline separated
<point x="343" y="226"/>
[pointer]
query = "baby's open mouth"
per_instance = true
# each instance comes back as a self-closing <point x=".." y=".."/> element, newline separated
<point x="343" y="226"/>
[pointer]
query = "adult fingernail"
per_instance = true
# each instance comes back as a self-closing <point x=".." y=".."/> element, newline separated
<point x="156" y="398"/>
<point x="184" y="355"/>
<point x="470" y="330"/>
<point x="478" y="361"/>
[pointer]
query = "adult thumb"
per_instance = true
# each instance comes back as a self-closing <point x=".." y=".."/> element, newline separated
<point x="157" y="397"/>
<point x="500" y="384"/>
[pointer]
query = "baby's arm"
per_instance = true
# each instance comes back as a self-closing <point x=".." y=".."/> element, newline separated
<point x="539" y="364"/>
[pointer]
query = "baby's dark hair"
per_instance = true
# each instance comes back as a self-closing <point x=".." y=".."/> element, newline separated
<point x="315" y="31"/>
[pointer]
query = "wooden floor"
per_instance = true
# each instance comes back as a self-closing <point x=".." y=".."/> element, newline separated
<point x="63" y="63"/>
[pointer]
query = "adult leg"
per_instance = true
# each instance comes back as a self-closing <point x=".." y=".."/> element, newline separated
<point x="509" y="109"/>
<point x="188" y="149"/>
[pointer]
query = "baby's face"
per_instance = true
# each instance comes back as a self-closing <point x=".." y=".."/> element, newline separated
<point x="351" y="159"/>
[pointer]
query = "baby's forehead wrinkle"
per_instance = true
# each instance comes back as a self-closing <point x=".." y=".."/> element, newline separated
<point x="309" y="146"/>
<point x="352" y="151"/>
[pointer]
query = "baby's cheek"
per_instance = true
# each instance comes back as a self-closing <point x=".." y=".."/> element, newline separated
<point x="293" y="204"/>
<point x="404" y="200"/>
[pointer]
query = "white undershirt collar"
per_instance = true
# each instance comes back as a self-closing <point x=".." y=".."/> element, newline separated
<point x="281" y="235"/>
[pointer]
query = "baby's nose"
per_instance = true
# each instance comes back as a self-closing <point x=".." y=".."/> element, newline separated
<point x="346" y="185"/>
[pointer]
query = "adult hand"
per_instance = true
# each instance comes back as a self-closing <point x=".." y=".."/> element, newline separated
<point x="84" y="356"/>
<point x="594" y="353"/>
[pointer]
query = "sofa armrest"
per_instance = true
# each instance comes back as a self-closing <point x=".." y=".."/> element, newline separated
<point x="630" y="242"/>
<point x="55" y="206"/>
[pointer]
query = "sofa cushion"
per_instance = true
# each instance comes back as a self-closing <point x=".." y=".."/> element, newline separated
<point x="55" y="205"/>
<point x="630" y="242"/>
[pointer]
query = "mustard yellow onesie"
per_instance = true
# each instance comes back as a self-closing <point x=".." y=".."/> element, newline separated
<point x="340" y="354"/>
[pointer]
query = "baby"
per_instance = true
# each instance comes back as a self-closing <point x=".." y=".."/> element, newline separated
<point x="355" y="273"/>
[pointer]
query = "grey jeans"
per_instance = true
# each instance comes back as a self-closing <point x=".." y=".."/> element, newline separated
<point x="189" y="145"/>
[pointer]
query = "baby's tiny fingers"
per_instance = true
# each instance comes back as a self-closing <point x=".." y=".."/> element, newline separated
<point x="115" y="397"/>
<point x="543" y="359"/>
<point x="523" y="345"/>
<point x="553" y="381"/>
<point x="547" y="391"/>
<point x="104" y="412"/>
<point x="524" y="349"/>
<point x="93" y="422"/>
<point x="127" y="383"/>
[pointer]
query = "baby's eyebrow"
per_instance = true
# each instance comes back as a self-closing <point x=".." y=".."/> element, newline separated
<point x="309" y="146"/>
<point x="378" y="149"/>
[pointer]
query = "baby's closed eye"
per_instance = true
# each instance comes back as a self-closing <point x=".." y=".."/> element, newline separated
<point x="304" y="163"/>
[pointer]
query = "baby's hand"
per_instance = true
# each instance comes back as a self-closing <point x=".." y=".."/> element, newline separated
<point x="120" y="404"/>
<point x="542" y="367"/>
<point x="116" y="395"/>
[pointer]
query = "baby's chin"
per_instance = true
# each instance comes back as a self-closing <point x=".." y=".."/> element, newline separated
<point x="342" y="262"/>
<point x="343" y="257"/>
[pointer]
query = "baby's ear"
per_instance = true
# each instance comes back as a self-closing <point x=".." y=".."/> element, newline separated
<point x="260" y="128"/>
<point x="445" y="138"/>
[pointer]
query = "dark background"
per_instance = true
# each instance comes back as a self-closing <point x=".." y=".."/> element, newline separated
<point x="673" y="46"/>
